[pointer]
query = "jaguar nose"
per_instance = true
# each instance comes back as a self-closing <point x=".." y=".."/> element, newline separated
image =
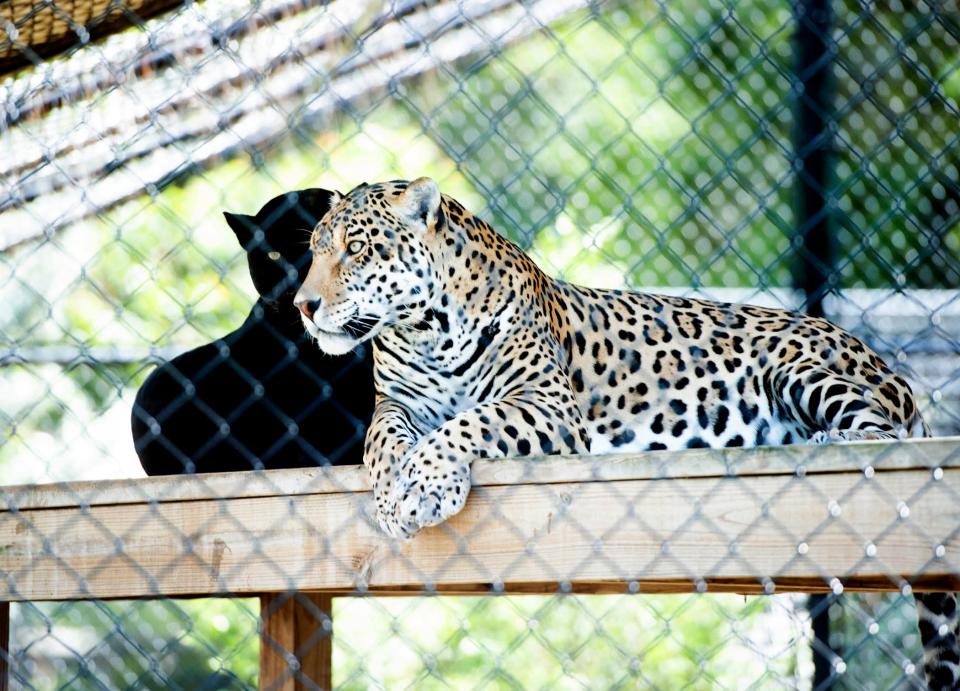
<point x="308" y="307"/>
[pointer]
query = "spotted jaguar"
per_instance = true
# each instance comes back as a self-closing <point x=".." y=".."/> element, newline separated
<point x="479" y="354"/>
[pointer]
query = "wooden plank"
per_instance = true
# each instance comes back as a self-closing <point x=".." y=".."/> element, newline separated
<point x="173" y="488"/>
<point x="296" y="651"/>
<point x="812" y="529"/>
<point x="780" y="460"/>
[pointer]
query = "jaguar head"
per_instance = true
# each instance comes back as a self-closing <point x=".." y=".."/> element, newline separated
<point x="373" y="264"/>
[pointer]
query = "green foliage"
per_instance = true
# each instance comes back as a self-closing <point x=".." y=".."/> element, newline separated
<point x="566" y="641"/>
<point x="898" y="155"/>
<point x="648" y="143"/>
<point x="158" y="645"/>
<point x="653" y="145"/>
<point x="878" y="639"/>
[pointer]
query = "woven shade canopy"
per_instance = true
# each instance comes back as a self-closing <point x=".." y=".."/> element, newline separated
<point x="126" y="116"/>
<point x="31" y="31"/>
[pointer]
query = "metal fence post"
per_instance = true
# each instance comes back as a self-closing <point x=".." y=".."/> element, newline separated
<point x="814" y="270"/>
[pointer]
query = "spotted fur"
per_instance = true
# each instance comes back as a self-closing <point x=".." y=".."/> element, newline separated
<point x="479" y="354"/>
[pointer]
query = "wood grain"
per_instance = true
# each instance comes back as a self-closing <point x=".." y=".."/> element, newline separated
<point x="752" y="533"/>
<point x="296" y="651"/>
<point x="314" y="640"/>
<point x="775" y="460"/>
<point x="277" y="642"/>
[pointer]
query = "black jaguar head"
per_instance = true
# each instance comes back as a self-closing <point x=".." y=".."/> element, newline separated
<point x="277" y="241"/>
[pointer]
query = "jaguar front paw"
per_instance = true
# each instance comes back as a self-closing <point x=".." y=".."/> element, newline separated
<point x="392" y="526"/>
<point x="423" y="500"/>
<point x="390" y="515"/>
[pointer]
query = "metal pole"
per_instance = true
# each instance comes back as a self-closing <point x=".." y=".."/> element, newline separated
<point x="814" y="140"/>
<point x="814" y="262"/>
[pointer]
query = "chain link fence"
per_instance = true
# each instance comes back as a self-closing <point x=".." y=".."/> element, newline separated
<point x="803" y="156"/>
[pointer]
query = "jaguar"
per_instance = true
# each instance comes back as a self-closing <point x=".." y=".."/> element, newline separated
<point x="479" y="354"/>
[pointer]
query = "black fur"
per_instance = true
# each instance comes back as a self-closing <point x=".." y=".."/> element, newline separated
<point x="313" y="408"/>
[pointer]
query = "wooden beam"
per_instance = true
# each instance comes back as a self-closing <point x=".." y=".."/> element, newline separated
<point x="296" y="645"/>
<point x="928" y="454"/>
<point x="581" y="526"/>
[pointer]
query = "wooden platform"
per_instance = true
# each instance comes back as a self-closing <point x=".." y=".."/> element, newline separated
<point x="789" y="518"/>
<point x="864" y="516"/>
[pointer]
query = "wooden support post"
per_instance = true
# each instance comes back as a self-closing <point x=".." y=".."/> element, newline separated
<point x="276" y="642"/>
<point x="296" y="645"/>
<point x="314" y="639"/>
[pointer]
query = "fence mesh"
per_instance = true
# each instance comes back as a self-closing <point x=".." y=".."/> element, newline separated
<point x="802" y="156"/>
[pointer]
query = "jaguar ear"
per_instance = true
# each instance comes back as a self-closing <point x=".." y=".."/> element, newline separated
<point x="421" y="201"/>
<point x="311" y="205"/>
<point x="243" y="227"/>
<point x="332" y="198"/>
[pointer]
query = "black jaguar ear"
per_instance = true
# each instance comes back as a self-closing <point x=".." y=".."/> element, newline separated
<point x="314" y="203"/>
<point x="243" y="227"/>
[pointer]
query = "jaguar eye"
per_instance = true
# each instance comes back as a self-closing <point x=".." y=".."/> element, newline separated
<point x="274" y="255"/>
<point x="356" y="247"/>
